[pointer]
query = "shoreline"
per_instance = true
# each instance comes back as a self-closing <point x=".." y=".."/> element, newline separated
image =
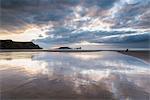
<point x="72" y="50"/>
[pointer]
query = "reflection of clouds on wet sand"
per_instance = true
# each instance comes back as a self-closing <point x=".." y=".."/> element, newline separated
<point x="16" y="55"/>
<point x="105" y="75"/>
<point x="26" y="65"/>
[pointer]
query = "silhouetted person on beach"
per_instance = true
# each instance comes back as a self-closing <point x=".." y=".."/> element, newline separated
<point x="126" y="50"/>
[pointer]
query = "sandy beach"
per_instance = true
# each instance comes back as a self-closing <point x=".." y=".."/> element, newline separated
<point x="145" y="55"/>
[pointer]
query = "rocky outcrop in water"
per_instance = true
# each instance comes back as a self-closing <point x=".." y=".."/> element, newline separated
<point x="64" y="48"/>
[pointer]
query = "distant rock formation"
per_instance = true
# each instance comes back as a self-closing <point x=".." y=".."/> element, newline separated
<point x="64" y="48"/>
<point x="9" y="44"/>
<point x="69" y="48"/>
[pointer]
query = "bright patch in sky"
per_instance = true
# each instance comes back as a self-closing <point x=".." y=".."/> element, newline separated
<point x="28" y="35"/>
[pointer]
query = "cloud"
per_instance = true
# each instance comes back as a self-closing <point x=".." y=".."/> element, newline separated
<point x="71" y="21"/>
<point x="116" y="36"/>
<point x="106" y="4"/>
<point x="130" y="13"/>
<point x="17" y="14"/>
<point x="127" y="37"/>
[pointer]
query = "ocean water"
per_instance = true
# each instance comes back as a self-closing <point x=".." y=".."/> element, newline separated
<point x="52" y="75"/>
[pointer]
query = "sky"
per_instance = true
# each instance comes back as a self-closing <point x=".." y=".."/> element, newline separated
<point x="56" y="22"/>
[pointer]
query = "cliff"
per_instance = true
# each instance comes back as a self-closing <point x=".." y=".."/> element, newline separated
<point x="9" y="44"/>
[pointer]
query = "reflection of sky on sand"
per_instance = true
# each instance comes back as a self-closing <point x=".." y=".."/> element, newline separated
<point x="104" y="75"/>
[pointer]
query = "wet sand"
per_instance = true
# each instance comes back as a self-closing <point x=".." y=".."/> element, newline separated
<point x="73" y="76"/>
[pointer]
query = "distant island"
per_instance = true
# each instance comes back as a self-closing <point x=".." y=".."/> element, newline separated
<point x="68" y="48"/>
<point x="9" y="44"/>
<point x="64" y="48"/>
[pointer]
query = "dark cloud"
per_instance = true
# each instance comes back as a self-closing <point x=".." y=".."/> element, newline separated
<point x="16" y="14"/>
<point x="55" y="4"/>
<point x="101" y="3"/>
